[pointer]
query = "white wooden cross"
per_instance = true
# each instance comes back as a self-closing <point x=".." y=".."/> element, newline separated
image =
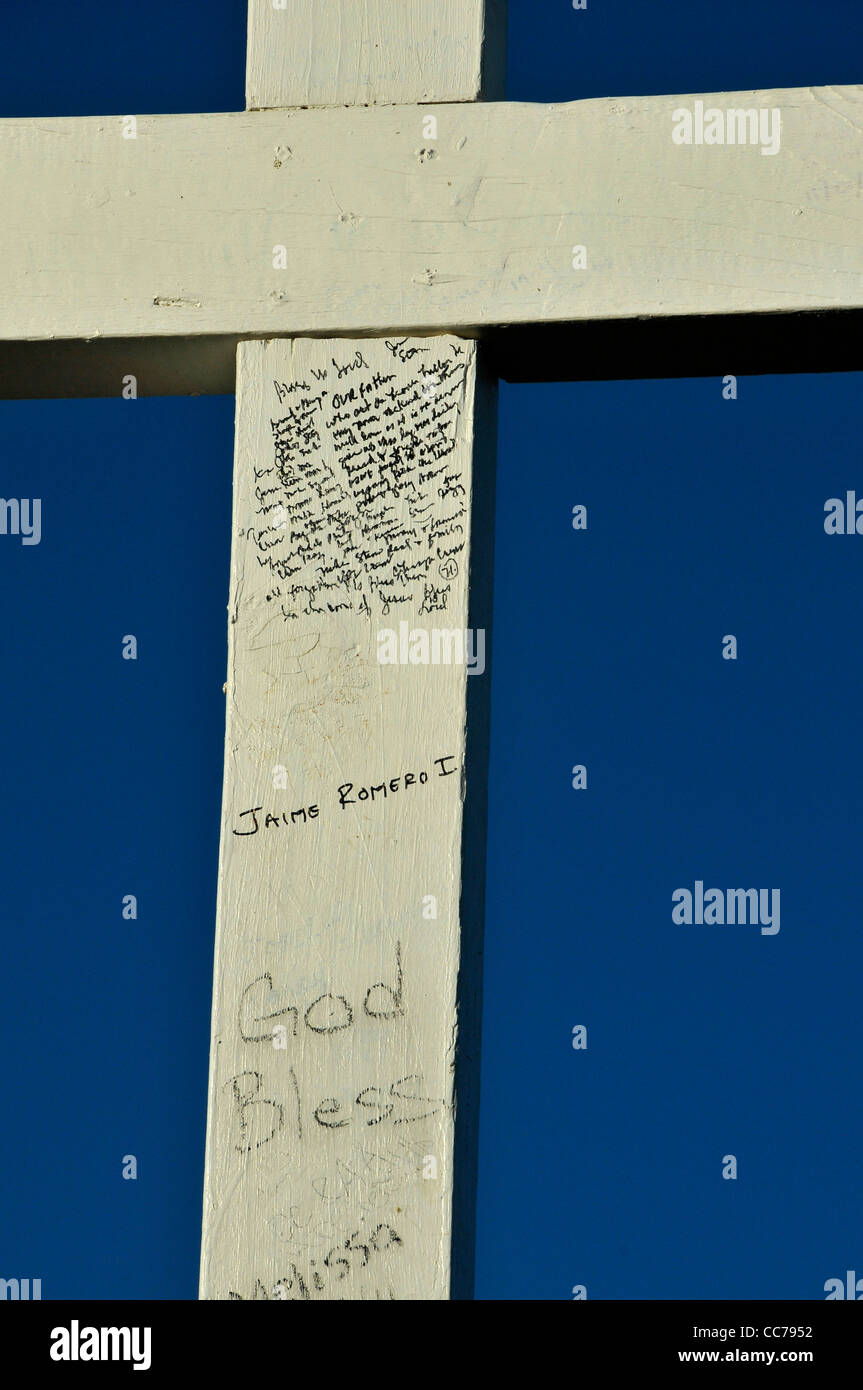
<point x="356" y="231"/>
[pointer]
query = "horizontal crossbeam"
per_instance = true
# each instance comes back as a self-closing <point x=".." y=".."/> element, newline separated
<point x="352" y="221"/>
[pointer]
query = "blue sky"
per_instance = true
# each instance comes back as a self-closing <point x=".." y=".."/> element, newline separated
<point x="705" y="518"/>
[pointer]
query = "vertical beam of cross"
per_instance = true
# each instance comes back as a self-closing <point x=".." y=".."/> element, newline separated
<point x="330" y="1141"/>
<point x="373" y="52"/>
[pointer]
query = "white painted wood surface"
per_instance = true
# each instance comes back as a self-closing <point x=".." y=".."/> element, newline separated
<point x="363" y="52"/>
<point x="328" y="1171"/>
<point x="173" y="233"/>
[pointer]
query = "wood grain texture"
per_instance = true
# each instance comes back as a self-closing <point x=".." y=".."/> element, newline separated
<point x="365" y="52"/>
<point x="173" y="233"/>
<point x="329" y="1144"/>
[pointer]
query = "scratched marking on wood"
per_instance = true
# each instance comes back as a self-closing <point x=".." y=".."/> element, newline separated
<point x="329" y="1142"/>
